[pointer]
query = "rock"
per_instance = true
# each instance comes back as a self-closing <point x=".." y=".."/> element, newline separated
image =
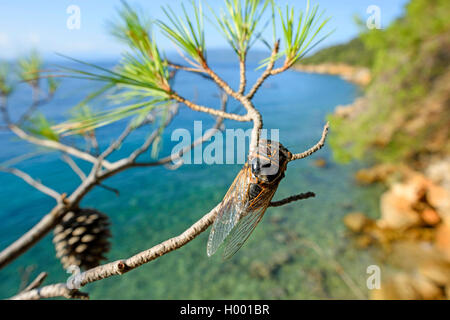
<point x="413" y="189"/>
<point x="356" y="221"/>
<point x="378" y="173"/>
<point x="363" y="241"/>
<point x="436" y="270"/>
<point x="403" y="286"/>
<point x="413" y="201"/>
<point x="396" y="210"/>
<point x="439" y="172"/>
<point x="435" y="195"/>
<point x="397" y="287"/>
<point x="430" y="217"/>
<point x="439" y="198"/>
<point x="442" y="240"/>
<point x="426" y="289"/>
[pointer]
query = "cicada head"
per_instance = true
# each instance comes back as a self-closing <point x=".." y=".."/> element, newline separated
<point x="268" y="162"/>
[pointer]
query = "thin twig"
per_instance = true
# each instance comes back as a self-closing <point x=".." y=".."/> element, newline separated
<point x="36" y="282"/>
<point x="120" y="267"/>
<point x="32" y="182"/>
<point x="4" y="109"/>
<point x="266" y="73"/>
<point x="114" y="190"/>
<point x="31" y="237"/>
<point x="290" y="199"/>
<point x="56" y="145"/>
<point x="214" y="112"/>
<point x="31" y="109"/>
<point x="128" y="130"/>
<point x="51" y="291"/>
<point x="149" y="141"/>
<point x="243" y="79"/>
<point x="172" y="161"/>
<point x="315" y="148"/>
<point x="72" y="164"/>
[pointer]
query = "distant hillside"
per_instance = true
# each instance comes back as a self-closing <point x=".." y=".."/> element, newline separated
<point x="405" y="114"/>
<point x="353" y="53"/>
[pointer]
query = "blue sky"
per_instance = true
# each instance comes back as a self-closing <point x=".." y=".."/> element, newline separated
<point x="26" y="24"/>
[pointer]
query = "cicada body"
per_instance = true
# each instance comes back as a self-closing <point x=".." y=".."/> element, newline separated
<point x="248" y="197"/>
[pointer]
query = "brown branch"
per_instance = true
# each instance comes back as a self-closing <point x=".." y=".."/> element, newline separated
<point x="174" y="157"/>
<point x="74" y="167"/>
<point x="149" y="141"/>
<point x="83" y="177"/>
<point x="266" y="73"/>
<point x="243" y="79"/>
<point x="128" y="130"/>
<point x="98" y="174"/>
<point x="221" y="83"/>
<point x="114" y="190"/>
<point x="195" y="70"/>
<point x="184" y="68"/>
<point x="120" y="267"/>
<point x="31" y="109"/>
<point x="214" y="112"/>
<point x="31" y="237"/>
<point x="315" y="148"/>
<point x="287" y="64"/>
<point x="32" y="182"/>
<point x="48" y="222"/>
<point x="36" y="282"/>
<point x="290" y="199"/>
<point x="51" y="291"/>
<point x="4" y="109"/>
<point x="56" y="145"/>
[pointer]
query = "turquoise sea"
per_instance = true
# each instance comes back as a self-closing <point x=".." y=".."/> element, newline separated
<point x="299" y="251"/>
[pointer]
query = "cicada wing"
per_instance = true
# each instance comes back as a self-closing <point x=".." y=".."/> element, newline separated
<point x="246" y="225"/>
<point x="233" y="205"/>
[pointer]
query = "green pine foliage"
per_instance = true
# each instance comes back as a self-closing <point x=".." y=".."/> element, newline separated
<point x="39" y="126"/>
<point x="141" y="83"/>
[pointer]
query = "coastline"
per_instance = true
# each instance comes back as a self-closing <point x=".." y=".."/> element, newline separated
<point x="412" y="231"/>
<point x="358" y="75"/>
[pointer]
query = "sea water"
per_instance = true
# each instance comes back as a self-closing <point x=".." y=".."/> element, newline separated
<point x="298" y="251"/>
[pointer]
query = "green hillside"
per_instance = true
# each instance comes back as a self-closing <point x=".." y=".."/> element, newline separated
<point x="406" y="112"/>
<point x="354" y="53"/>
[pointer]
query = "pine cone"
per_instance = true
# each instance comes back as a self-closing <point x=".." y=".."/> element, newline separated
<point x="81" y="238"/>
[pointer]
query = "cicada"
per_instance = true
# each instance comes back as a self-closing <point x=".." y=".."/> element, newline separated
<point x="248" y="197"/>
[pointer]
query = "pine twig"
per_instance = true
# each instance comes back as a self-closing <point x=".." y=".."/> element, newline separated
<point x="290" y="199"/>
<point x="315" y="148"/>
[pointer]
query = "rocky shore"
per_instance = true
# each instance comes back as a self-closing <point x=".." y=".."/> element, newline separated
<point x="358" y="75"/>
<point x="413" y="231"/>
